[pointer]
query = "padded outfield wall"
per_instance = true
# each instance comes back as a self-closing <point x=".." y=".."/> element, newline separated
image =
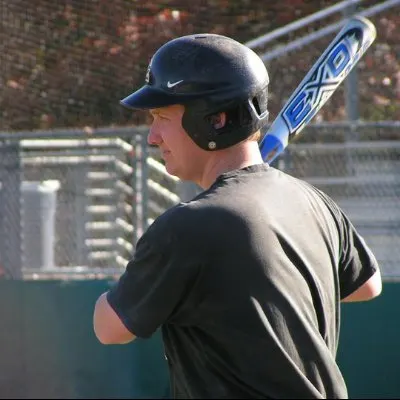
<point x="48" y="348"/>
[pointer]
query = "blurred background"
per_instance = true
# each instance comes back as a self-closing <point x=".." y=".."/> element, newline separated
<point x="79" y="185"/>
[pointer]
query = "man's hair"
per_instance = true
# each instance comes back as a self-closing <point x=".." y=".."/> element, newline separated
<point x="255" y="137"/>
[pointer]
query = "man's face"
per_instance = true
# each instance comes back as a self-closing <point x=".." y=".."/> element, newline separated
<point x="183" y="158"/>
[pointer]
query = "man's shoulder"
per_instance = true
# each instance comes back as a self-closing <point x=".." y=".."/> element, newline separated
<point x="183" y="214"/>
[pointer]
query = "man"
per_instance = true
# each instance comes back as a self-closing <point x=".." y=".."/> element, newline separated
<point x="246" y="279"/>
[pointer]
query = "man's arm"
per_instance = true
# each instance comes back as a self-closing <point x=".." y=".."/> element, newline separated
<point x="370" y="289"/>
<point x="108" y="327"/>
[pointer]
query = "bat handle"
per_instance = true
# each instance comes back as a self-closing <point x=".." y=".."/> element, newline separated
<point x="270" y="148"/>
<point x="274" y="141"/>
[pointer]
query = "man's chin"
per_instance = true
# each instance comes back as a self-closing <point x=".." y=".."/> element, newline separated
<point x="171" y="170"/>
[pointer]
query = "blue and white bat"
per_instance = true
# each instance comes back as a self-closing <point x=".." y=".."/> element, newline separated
<point x="318" y="85"/>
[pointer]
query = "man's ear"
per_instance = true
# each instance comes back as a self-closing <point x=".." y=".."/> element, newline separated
<point x="218" y="121"/>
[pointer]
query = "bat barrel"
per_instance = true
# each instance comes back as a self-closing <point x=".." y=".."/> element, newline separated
<point x="327" y="73"/>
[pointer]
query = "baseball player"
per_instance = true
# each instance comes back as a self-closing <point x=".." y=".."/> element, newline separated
<point x="246" y="279"/>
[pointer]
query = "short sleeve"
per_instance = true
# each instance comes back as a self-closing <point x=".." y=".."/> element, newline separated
<point x="154" y="283"/>
<point x="357" y="262"/>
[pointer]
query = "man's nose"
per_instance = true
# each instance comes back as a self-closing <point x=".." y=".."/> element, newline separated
<point x="153" y="138"/>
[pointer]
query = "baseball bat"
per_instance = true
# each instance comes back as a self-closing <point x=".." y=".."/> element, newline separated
<point x="326" y="74"/>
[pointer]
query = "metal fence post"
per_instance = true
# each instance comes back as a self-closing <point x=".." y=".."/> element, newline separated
<point x="145" y="175"/>
<point x="351" y="82"/>
<point x="74" y="190"/>
<point x="134" y="199"/>
<point x="11" y="251"/>
<point x="140" y="172"/>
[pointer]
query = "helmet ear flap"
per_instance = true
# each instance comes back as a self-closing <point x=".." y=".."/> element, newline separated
<point x="241" y="120"/>
<point x="243" y="115"/>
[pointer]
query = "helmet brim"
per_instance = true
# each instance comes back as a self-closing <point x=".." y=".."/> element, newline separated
<point x="147" y="98"/>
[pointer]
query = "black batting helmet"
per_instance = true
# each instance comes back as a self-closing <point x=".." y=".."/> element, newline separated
<point x="208" y="74"/>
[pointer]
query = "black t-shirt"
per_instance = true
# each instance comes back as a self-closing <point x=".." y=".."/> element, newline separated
<point x="246" y="281"/>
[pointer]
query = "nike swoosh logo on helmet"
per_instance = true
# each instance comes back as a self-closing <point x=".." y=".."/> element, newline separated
<point x="171" y="85"/>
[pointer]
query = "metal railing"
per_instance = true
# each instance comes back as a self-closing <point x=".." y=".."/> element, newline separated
<point x="301" y="23"/>
<point x="273" y="47"/>
<point x="306" y="21"/>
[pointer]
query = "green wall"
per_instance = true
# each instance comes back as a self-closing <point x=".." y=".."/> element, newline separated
<point x="369" y="346"/>
<point x="48" y="348"/>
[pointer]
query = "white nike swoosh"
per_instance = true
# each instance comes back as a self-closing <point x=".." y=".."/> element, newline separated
<point x="171" y="85"/>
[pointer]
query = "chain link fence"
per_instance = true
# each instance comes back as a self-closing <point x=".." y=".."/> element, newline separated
<point x="74" y="204"/>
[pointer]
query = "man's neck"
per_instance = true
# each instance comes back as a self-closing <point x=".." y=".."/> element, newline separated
<point x="236" y="157"/>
